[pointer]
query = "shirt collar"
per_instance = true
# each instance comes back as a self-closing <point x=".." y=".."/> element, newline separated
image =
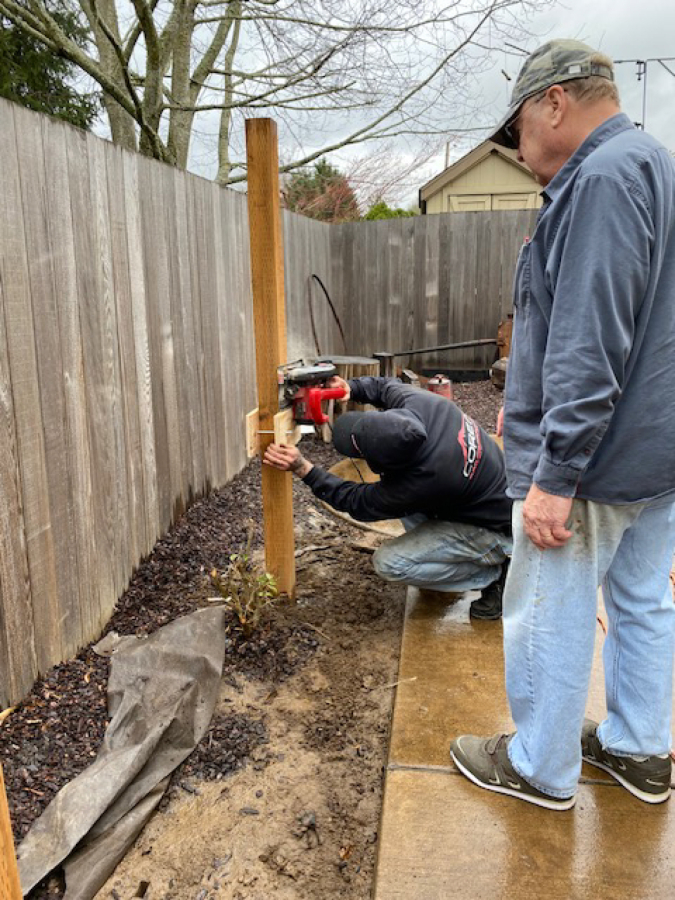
<point x="609" y="128"/>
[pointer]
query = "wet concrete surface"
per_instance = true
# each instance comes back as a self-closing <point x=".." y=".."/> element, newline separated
<point x="442" y="837"/>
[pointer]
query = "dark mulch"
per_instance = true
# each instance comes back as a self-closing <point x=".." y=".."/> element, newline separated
<point x="55" y="732"/>
<point x="225" y="748"/>
<point x="481" y="401"/>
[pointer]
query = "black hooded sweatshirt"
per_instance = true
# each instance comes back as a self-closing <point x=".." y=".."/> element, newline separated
<point x="431" y="459"/>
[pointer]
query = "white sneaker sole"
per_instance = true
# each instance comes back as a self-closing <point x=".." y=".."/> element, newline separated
<point x="511" y="792"/>
<point x="635" y="791"/>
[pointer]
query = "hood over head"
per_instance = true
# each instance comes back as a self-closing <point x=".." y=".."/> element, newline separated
<point x="386" y="440"/>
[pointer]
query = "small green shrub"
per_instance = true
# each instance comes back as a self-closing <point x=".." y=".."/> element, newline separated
<point x="245" y="588"/>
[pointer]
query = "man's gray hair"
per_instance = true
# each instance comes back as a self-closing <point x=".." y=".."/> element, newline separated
<point x="594" y="88"/>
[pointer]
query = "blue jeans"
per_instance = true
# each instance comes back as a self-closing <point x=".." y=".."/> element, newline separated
<point x="550" y="609"/>
<point x="443" y="556"/>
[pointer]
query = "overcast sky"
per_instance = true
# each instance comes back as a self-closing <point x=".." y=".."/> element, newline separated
<point x="624" y="30"/>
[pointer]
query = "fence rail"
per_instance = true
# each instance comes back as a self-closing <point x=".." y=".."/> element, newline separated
<point x="126" y="354"/>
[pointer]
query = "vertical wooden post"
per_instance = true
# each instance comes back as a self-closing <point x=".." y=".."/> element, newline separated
<point x="10" y="889"/>
<point x="269" y="315"/>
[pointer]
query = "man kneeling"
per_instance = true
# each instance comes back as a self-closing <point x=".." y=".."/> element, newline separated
<point x="440" y="473"/>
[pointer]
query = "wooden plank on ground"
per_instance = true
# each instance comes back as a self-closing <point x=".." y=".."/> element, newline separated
<point x="267" y="264"/>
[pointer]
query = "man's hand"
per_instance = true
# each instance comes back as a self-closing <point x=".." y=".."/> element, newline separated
<point x="545" y="517"/>
<point x="287" y="459"/>
<point x="500" y="423"/>
<point x="336" y="382"/>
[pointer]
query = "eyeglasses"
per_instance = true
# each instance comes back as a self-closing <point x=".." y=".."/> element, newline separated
<point x="512" y="128"/>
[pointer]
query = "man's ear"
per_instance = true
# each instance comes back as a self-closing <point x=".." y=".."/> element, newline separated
<point x="559" y="101"/>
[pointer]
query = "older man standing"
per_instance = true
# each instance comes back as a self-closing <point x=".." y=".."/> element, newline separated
<point x="589" y="433"/>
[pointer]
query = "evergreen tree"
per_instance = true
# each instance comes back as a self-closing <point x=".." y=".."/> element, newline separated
<point x="323" y="193"/>
<point x="38" y="78"/>
<point x="382" y="210"/>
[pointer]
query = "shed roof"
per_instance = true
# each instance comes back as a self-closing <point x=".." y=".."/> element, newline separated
<point x="474" y="158"/>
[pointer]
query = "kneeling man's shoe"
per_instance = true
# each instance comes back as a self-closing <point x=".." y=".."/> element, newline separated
<point x="489" y="604"/>
<point x="485" y="761"/>
<point x="647" y="778"/>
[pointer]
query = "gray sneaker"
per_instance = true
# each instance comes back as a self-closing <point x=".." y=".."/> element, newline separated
<point x="485" y="761"/>
<point x="647" y="779"/>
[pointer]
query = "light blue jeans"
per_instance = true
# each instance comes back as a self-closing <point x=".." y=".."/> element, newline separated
<point x="550" y="609"/>
<point x="443" y="556"/>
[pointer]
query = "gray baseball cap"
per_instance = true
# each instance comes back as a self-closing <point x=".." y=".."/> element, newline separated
<point x="553" y="63"/>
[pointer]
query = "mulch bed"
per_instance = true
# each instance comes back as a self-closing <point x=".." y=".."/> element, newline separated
<point x="55" y="732"/>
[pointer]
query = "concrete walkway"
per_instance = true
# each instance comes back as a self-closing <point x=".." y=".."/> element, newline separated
<point x="441" y="837"/>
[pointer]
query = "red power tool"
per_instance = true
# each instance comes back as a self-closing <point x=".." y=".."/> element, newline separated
<point x="305" y="388"/>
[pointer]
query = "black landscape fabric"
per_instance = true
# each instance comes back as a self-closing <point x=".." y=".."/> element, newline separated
<point x="161" y="696"/>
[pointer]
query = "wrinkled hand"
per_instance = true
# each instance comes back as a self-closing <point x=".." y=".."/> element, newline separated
<point x="287" y="459"/>
<point x="336" y="382"/>
<point x="500" y="423"/>
<point x="545" y="517"/>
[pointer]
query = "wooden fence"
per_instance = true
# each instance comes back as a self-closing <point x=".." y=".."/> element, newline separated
<point x="127" y="355"/>
<point x="126" y="361"/>
<point x="425" y="281"/>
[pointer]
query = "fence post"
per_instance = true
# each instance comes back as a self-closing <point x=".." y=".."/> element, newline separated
<point x="10" y="888"/>
<point x="267" y="280"/>
<point x="386" y="361"/>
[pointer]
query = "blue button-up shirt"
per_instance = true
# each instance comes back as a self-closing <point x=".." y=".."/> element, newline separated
<point x="590" y="390"/>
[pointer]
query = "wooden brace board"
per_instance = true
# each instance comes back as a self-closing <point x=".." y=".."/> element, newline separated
<point x="285" y="431"/>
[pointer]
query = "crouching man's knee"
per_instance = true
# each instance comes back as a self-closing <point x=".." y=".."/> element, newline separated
<point x="389" y="564"/>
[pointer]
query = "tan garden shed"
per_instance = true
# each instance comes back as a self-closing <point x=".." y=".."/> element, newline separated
<point x="488" y="178"/>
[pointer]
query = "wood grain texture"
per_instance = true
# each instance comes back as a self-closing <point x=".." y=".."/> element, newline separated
<point x="79" y="532"/>
<point x="149" y="508"/>
<point x="64" y="604"/>
<point x="23" y="373"/>
<point x="267" y="278"/>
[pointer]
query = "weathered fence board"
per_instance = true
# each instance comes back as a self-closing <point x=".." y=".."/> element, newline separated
<point x="23" y="374"/>
<point x="18" y="661"/>
<point x="149" y="509"/>
<point x="127" y="354"/>
<point x="32" y="173"/>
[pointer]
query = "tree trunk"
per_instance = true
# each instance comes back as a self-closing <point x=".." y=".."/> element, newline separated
<point x="122" y="125"/>
<point x="180" y="121"/>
